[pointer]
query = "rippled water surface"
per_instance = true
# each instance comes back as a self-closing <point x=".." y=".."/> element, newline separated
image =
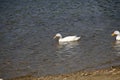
<point x="27" y="28"/>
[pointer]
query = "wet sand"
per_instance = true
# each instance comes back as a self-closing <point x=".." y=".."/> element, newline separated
<point x="112" y="73"/>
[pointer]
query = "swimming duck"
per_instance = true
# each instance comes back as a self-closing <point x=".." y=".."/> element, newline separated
<point x="66" y="39"/>
<point x="117" y="34"/>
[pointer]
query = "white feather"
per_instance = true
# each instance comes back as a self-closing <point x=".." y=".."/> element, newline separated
<point x="117" y="33"/>
<point x="67" y="38"/>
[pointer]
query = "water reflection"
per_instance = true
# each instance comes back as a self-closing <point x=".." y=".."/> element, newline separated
<point x="117" y="47"/>
<point x="67" y="45"/>
<point x="66" y="49"/>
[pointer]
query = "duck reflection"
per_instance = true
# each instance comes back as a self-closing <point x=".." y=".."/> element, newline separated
<point x="66" y="50"/>
<point x="117" y="47"/>
<point x="67" y="45"/>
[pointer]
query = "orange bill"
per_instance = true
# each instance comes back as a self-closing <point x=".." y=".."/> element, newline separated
<point x="54" y="37"/>
<point x="112" y="34"/>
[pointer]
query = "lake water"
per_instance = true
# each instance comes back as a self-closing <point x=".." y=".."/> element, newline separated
<point x="27" y="28"/>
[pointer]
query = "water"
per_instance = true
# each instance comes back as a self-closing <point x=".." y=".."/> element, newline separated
<point x="27" y="29"/>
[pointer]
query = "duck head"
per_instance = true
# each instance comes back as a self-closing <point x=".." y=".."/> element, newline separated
<point x="115" y="33"/>
<point x="58" y="36"/>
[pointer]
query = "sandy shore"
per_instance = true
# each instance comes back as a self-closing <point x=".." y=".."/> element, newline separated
<point x="112" y="73"/>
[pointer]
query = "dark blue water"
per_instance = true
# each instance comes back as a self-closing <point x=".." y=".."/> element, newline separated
<point x="27" y="28"/>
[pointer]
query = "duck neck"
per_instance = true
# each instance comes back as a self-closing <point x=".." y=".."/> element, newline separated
<point x="118" y="37"/>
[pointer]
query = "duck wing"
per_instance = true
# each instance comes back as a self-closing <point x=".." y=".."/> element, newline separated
<point x="69" y="38"/>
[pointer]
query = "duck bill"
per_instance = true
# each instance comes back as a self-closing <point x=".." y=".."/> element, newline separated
<point x="54" y="37"/>
<point x="112" y="34"/>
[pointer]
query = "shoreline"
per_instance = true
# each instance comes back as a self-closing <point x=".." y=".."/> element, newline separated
<point x="112" y="73"/>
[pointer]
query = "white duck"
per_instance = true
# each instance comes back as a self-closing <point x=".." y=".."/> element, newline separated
<point x="117" y="34"/>
<point x="66" y="39"/>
